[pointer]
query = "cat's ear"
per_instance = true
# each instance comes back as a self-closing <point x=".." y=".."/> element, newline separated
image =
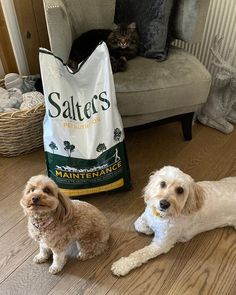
<point x="132" y="26"/>
<point x="115" y="27"/>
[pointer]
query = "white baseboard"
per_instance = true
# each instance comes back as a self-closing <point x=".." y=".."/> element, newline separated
<point x="2" y="73"/>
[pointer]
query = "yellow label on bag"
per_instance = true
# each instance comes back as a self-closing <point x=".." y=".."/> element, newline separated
<point x="87" y="191"/>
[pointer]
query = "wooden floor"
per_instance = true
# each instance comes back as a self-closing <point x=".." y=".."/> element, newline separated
<point x="205" y="265"/>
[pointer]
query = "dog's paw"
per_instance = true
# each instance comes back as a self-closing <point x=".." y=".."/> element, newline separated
<point x="85" y="256"/>
<point x="120" y="267"/>
<point x="81" y="256"/>
<point x="54" y="269"/>
<point x="144" y="229"/>
<point x="40" y="258"/>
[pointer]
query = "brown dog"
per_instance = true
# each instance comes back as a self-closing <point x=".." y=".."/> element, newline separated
<point x="54" y="221"/>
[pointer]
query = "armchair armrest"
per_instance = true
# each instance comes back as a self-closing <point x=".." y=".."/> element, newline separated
<point x="59" y="28"/>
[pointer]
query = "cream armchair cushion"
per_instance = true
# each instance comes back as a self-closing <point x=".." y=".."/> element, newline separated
<point x="147" y="87"/>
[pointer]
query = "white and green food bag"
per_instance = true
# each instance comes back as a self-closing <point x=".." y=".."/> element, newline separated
<point x="83" y="131"/>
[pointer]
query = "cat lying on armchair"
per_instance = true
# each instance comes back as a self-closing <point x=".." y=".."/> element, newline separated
<point x="122" y="42"/>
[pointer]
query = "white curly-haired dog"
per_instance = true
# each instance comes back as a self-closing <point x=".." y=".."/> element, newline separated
<point x="178" y="209"/>
<point x="55" y="221"/>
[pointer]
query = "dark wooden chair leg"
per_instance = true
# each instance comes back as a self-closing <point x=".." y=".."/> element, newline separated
<point x="186" y="122"/>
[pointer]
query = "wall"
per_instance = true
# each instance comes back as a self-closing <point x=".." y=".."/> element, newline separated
<point x="221" y="21"/>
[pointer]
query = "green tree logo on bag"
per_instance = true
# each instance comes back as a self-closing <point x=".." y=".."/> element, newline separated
<point x="53" y="146"/>
<point x="69" y="148"/>
<point x="117" y="134"/>
<point x="101" y="147"/>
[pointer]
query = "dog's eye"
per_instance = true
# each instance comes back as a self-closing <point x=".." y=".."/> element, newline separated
<point x="32" y="189"/>
<point x="179" y="190"/>
<point x="163" y="184"/>
<point x="47" y="190"/>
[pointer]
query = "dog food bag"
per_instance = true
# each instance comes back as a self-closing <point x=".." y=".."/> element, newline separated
<point x="83" y="131"/>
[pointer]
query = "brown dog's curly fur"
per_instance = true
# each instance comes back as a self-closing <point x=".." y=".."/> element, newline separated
<point x="55" y="221"/>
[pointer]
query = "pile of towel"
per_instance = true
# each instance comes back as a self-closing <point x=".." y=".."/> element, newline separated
<point x="20" y="93"/>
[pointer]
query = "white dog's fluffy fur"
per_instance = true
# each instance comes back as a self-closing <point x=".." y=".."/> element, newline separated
<point x="55" y="221"/>
<point x="178" y="209"/>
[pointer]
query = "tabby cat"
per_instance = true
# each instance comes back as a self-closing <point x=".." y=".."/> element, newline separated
<point x="122" y="42"/>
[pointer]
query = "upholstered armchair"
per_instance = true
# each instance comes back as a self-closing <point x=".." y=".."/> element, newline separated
<point x="148" y="91"/>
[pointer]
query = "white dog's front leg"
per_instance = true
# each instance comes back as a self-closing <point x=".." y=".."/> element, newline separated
<point x="59" y="260"/>
<point x="125" y="264"/>
<point x="44" y="254"/>
<point x="141" y="225"/>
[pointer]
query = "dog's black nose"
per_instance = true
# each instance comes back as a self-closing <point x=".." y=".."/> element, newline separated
<point x="35" y="200"/>
<point x="164" y="204"/>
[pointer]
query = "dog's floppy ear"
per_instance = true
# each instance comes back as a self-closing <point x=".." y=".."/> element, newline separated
<point x="148" y="188"/>
<point x="65" y="207"/>
<point x="195" y="199"/>
<point x="152" y="184"/>
<point x="23" y="207"/>
<point x="145" y="194"/>
<point x="145" y="197"/>
<point x="26" y="188"/>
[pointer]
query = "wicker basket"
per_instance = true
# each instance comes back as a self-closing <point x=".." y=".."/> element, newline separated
<point x="21" y="131"/>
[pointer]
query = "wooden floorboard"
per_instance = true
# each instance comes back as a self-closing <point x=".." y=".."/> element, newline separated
<point x="18" y="171"/>
<point x="15" y="248"/>
<point x="204" y="265"/>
